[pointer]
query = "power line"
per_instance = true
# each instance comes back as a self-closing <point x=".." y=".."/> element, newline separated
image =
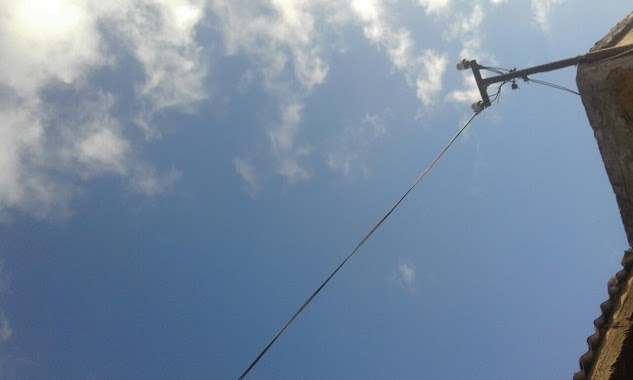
<point x="495" y="97"/>
<point x="483" y="83"/>
<point x="498" y="70"/>
<point x="556" y="86"/>
<point x="356" y="248"/>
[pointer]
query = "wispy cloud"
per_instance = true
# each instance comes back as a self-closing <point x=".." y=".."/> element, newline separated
<point x="5" y="327"/>
<point x="280" y="38"/>
<point x="465" y="27"/>
<point x="542" y="10"/>
<point x="54" y="121"/>
<point x="246" y="171"/>
<point x="434" y="6"/>
<point x="348" y="153"/>
<point x="146" y="180"/>
<point x="286" y="42"/>
<point x="405" y="276"/>
<point x="162" y="37"/>
<point x="52" y="49"/>
<point x="284" y="146"/>
<point x="424" y="71"/>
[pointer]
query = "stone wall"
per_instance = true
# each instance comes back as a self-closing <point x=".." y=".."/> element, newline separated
<point x="606" y="88"/>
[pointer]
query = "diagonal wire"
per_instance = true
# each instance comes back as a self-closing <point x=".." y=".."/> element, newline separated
<point x="552" y="85"/>
<point x="495" y="97"/>
<point x="360" y="244"/>
<point x="498" y="70"/>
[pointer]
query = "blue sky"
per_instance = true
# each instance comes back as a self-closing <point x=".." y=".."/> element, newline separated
<point x="178" y="176"/>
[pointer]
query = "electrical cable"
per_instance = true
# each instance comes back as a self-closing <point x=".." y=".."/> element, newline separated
<point x="494" y="70"/>
<point x="360" y="244"/>
<point x="498" y="70"/>
<point x="556" y="86"/>
<point x="495" y="97"/>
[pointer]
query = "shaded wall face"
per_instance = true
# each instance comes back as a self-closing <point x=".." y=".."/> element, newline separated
<point x="624" y="367"/>
<point x="606" y="88"/>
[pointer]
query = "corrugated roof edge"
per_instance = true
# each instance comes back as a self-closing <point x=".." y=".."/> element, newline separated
<point x="615" y="286"/>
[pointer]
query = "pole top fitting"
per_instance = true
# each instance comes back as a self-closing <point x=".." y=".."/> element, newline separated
<point x="464" y="64"/>
<point x="478" y="106"/>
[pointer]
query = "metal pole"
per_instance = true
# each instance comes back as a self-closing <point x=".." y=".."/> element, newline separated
<point x="483" y="83"/>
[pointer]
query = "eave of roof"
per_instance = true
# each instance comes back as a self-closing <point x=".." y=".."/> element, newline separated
<point x="613" y="314"/>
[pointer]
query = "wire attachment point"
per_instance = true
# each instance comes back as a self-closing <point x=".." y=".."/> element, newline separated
<point x="478" y="106"/>
<point x="464" y="64"/>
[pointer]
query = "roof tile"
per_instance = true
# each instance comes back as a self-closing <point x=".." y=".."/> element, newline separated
<point x="615" y="286"/>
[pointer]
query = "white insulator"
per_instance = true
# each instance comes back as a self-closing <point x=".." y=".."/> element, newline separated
<point x="464" y="64"/>
<point x="478" y="106"/>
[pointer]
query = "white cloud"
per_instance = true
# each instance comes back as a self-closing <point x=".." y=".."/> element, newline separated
<point x="24" y="185"/>
<point x="93" y="140"/>
<point x="246" y="170"/>
<point x="465" y="26"/>
<point x="284" y="147"/>
<point x="44" y="40"/>
<point x="53" y="121"/>
<point x="5" y="328"/>
<point x="434" y="6"/>
<point x="161" y="35"/>
<point x="278" y="36"/>
<point x="146" y="180"/>
<point x="287" y="43"/>
<point x="469" y="93"/>
<point x="280" y="39"/>
<point x="348" y="153"/>
<point x="48" y="43"/>
<point x="405" y="276"/>
<point x="542" y="10"/>
<point x="376" y="123"/>
<point x="103" y="148"/>
<point x="429" y="80"/>
<point x="424" y="72"/>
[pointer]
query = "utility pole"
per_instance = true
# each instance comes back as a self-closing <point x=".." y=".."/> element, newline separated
<point x="483" y="83"/>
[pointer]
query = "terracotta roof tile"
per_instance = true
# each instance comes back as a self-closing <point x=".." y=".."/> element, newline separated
<point x="615" y="286"/>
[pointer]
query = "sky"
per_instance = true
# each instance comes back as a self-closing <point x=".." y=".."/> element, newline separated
<point x="176" y="178"/>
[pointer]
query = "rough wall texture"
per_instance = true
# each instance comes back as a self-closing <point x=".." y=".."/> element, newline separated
<point x="619" y="35"/>
<point x="606" y="88"/>
<point x="614" y="359"/>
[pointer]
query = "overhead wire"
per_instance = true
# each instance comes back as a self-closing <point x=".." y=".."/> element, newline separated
<point x="498" y="70"/>
<point x="356" y="248"/>
<point x="495" y="97"/>
<point x="556" y="86"/>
